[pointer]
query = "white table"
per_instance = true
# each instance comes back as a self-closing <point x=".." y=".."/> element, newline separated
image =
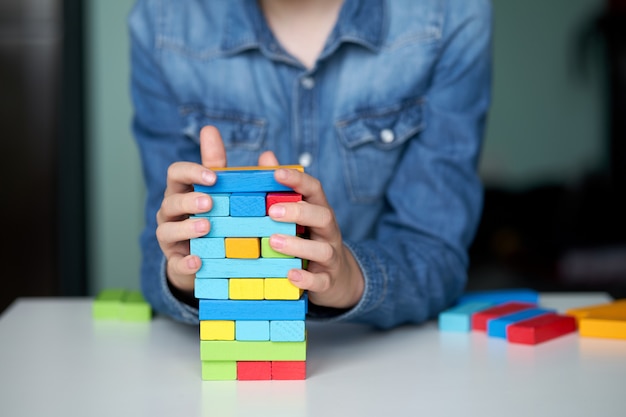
<point x="56" y="361"/>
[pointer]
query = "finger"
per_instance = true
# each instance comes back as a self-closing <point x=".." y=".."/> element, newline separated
<point x="212" y="151"/>
<point x="181" y="270"/>
<point x="172" y="232"/>
<point x="302" y="213"/>
<point x="309" y="187"/>
<point x="182" y="175"/>
<point x="303" y="279"/>
<point x="314" y="250"/>
<point x="268" y="159"/>
<point x="177" y="206"/>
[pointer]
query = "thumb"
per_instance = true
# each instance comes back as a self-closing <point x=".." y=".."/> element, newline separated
<point x="212" y="150"/>
<point x="268" y="159"/>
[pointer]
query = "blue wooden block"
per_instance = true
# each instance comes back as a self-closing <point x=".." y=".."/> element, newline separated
<point x="459" y="318"/>
<point x="243" y="182"/>
<point x="252" y="330"/>
<point x="523" y="295"/>
<point x="287" y="330"/>
<point x="211" y="289"/>
<point x="253" y="310"/>
<point x="208" y="248"/>
<point x="248" y="268"/>
<point x="221" y="206"/>
<point x="247" y="205"/>
<point x="248" y="227"/>
<point x="497" y="327"/>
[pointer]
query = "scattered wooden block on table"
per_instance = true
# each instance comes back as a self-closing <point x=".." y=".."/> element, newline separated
<point x="522" y="295"/>
<point x="108" y="304"/>
<point x="496" y="327"/>
<point x="254" y="371"/>
<point x="480" y="319"/>
<point x="608" y="326"/>
<point x="617" y="307"/>
<point x="540" y="329"/>
<point x="459" y="318"/>
<point x="135" y="307"/>
<point x="288" y="370"/>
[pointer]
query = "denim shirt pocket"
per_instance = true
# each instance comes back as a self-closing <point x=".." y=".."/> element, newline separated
<point x="373" y="142"/>
<point x="243" y="134"/>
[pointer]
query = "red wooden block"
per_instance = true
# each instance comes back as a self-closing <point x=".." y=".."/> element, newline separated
<point x="288" y="370"/>
<point x="285" y="197"/>
<point x="480" y="318"/>
<point x="540" y="329"/>
<point x="254" y="371"/>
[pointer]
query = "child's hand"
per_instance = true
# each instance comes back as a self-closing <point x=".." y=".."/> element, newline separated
<point x="333" y="278"/>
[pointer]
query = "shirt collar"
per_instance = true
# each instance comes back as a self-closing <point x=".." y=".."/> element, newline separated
<point x="362" y="22"/>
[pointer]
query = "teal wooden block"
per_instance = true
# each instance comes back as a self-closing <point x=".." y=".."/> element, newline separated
<point x="253" y="310"/>
<point x="221" y="206"/>
<point x="459" y="318"/>
<point x="252" y="330"/>
<point x="247" y="268"/>
<point x="497" y="327"/>
<point x="247" y="205"/>
<point x="243" y="182"/>
<point x="248" y="227"/>
<point x="211" y="289"/>
<point x="287" y="330"/>
<point x="208" y="247"/>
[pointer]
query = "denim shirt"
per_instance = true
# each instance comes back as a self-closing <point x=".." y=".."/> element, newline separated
<point x="390" y="119"/>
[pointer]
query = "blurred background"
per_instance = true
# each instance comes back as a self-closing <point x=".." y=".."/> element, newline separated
<point x="554" y="160"/>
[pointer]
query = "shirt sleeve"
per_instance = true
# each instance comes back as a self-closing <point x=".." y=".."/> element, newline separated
<point x="157" y="129"/>
<point x="417" y="265"/>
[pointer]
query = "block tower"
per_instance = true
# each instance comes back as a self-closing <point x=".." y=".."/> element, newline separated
<point x="252" y="319"/>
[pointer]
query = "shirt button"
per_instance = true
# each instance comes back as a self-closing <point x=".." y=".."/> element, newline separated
<point x="307" y="83"/>
<point x="387" y="135"/>
<point x="305" y="159"/>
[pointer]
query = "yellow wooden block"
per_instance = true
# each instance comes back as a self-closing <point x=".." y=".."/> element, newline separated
<point x="616" y="308"/>
<point x="612" y="328"/>
<point x="243" y="247"/>
<point x="245" y="288"/>
<point x="281" y="289"/>
<point x="217" y="330"/>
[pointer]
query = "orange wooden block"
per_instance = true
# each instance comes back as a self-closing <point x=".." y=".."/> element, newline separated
<point x="288" y="370"/>
<point x="617" y="307"/>
<point x="242" y="247"/>
<point x="254" y="371"/>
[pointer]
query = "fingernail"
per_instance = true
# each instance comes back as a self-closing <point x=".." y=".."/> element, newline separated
<point x="295" y="275"/>
<point x="202" y="203"/>
<point x="277" y="242"/>
<point x="281" y="174"/>
<point x="276" y="211"/>
<point x="208" y="177"/>
<point x="201" y="226"/>
<point x="191" y="263"/>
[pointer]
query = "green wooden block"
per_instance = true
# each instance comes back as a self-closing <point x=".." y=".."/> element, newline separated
<point x="219" y="370"/>
<point x="108" y="304"/>
<point x="135" y="307"/>
<point x="268" y="252"/>
<point x="227" y="350"/>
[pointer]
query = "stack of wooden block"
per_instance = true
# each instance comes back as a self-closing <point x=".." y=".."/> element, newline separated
<point x="252" y="319"/>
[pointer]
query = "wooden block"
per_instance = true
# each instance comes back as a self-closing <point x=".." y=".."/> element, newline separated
<point x="217" y="330"/>
<point x="254" y="370"/>
<point x="135" y="307"/>
<point x="268" y="252"/>
<point x="540" y="329"/>
<point x="208" y="247"/>
<point x="252" y="330"/>
<point x="459" y="318"/>
<point x="285" y="197"/>
<point x="246" y="288"/>
<point x="243" y="247"/>
<point x="522" y="295"/>
<point x="496" y="327"/>
<point x="219" y="350"/>
<point x="288" y="370"/>
<point x="107" y="305"/>
<point x="480" y="318"/>
<point x="211" y="289"/>
<point x="286" y="330"/>
<point x="247" y="268"/>
<point x="253" y="310"/>
<point x="247" y="205"/>
<point x="246" y="179"/>
<point x="221" y="206"/>
<point x="616" y="307"/>
<point x="248" y="227"/>
<point x="609" y="326"/>
<point x="281" y="289"/>
<point x="219" y="370"/>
